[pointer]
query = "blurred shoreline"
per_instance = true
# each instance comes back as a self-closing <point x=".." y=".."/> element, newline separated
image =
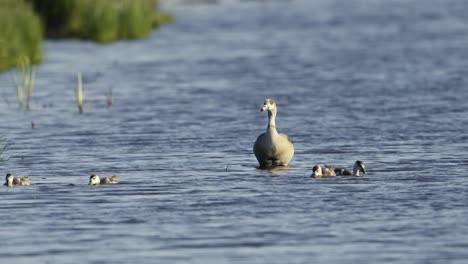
<point x="27" y="22"/>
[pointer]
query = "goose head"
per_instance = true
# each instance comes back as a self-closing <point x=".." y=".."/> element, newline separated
<point x="94" y="180"/>
<point x="268" y="105"/>
<point x="359" y="166"/>
<point x="9" y="179"/>
<point x="316" y="171"/>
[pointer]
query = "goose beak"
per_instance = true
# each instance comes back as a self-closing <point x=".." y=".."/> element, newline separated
<point x="264" y="107"/>
<point x="363" y="169"/>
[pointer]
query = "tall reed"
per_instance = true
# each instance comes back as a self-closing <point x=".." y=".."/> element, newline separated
<point x="79" y="94"/>
<point x="109" y="98"/>
<point x="24" y="81"/>
<point x="19" y="94"/>
<point x="3" y="146"/>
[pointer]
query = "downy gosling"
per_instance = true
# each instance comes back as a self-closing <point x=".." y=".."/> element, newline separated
<point x="95" y="180"/>
<point x="11" y="180"/>
<point x="318" y="172"/>
<point x="358" y="167"/>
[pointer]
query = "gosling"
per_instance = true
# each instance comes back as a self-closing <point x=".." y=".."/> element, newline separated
<point x="358" y="166"/>
<point x="95" y="180"/>
<point x="327" y="171"/>
<point x="10" y="180"/>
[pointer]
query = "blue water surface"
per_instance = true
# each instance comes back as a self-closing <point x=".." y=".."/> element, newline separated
<point x="381" y="81"/>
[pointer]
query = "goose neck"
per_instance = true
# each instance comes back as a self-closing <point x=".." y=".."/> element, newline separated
<point x="355" y="170"/>
<point x="272" y="119"/>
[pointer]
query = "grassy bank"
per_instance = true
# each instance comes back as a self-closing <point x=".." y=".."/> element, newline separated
<point x="20" y="34"/>
<point x="23" y="23"/>
<point x="99" y="20"/>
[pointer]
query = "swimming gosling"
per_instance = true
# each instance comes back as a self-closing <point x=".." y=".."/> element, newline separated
<point x="358" y="166"/>
<point x="327" y="171"/>
<point x="10" y="180"/>
<point x="95" y="180"/>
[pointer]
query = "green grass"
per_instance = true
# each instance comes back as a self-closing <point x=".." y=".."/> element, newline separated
<point x="20" y="34"/>
<point x="100" y="20"/>
<point x="23" y="23"/>
<point x="161" y="18"/>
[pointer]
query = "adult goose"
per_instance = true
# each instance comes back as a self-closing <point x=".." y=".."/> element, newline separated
<point x="11" y="180"/>
<point x="358" y="166"/>
<point x="272" y="148"/>
<point x="95" y="180"/>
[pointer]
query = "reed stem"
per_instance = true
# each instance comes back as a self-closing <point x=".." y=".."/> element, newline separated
<point x="79" y="94"/>
<point x="24" y="81"/>
<point x="109" y="98"/>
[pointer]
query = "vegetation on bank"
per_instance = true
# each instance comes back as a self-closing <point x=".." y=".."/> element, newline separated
<point x="102" y="20"/>
<point x="23" y="23"/>
<point x="21" y="34"/>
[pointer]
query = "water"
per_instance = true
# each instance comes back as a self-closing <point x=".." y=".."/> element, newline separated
<point x="381" y="81"/>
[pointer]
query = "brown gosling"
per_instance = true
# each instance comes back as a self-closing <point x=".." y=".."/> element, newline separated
<point x="95" y="180"/>
<point x="318" y="172"/>
<point x="358" y="166"/>
<point x="10" y="180"/>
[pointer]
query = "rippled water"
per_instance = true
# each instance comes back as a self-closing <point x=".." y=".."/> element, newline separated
<point x="381" y="81"/>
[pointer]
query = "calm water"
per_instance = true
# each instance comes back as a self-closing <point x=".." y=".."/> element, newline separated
<point x="381" y="81"/>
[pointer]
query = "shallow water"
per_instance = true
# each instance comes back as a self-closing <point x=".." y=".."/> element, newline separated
<point x="381" y="81"/>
